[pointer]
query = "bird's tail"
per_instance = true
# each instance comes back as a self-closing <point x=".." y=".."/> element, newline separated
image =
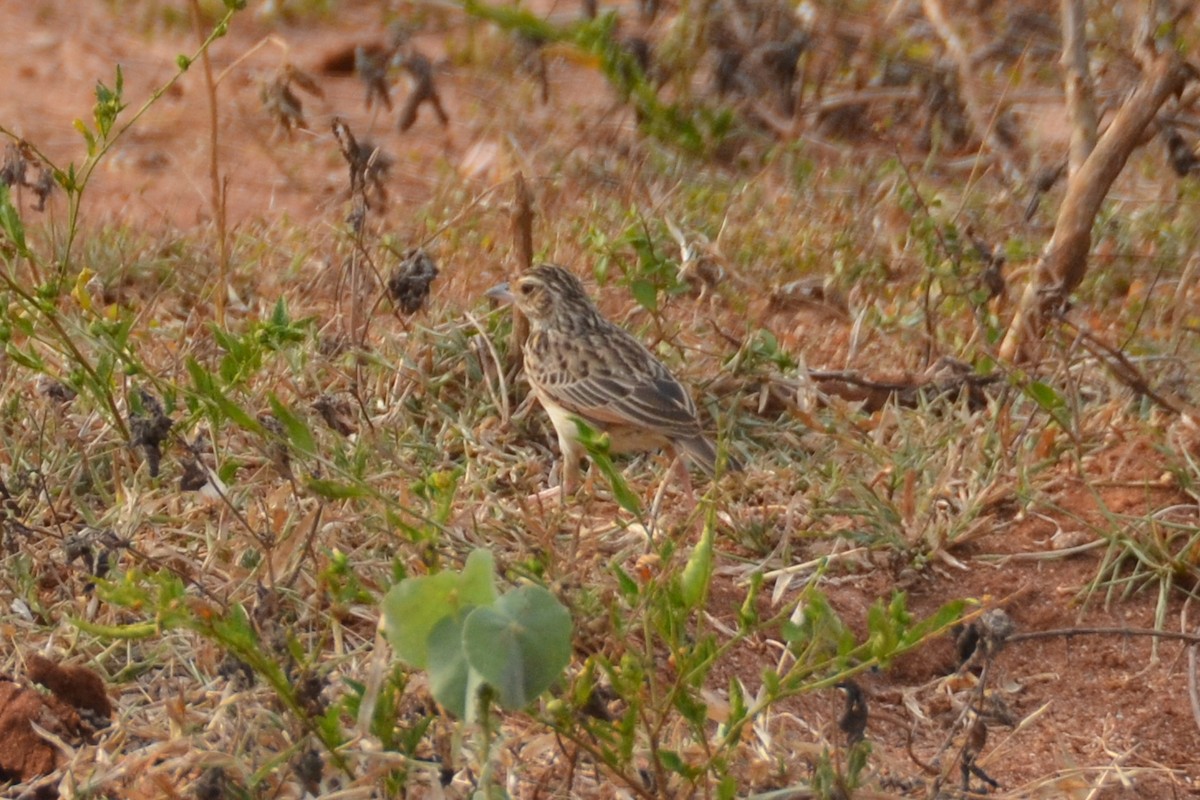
<point x="701" y="452"/>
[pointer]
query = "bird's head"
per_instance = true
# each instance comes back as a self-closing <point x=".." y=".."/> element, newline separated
<point x="548" y="295"/>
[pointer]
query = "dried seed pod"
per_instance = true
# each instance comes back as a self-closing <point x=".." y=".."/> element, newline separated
<point x="410" y="280"/>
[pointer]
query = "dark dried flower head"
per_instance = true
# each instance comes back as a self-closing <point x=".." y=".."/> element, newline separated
<point x="371" y="66"/>
<point x="277" y="443"/>
<point x="410" y="281"/>
<point x="15" y="166"/>
<point x="369" y="167"/>
<point x="18" y="158"/>
<point x="336" y="412"/>
<point x="148" y="429"/>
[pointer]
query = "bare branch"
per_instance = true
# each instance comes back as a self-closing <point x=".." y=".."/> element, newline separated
<point x="982" y="117"/>
<point x="1064" y="261"/>
<point x="522" y="228"/>
<point x="1077" y="79"/>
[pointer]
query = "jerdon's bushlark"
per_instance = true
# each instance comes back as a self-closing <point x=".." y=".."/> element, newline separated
<point x="580" y="365"/>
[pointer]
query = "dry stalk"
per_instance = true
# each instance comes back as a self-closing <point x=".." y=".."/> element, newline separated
<point x="214" y="172"/>
<point x="1077" y="79"/>
<point x="522" y="227"/>
<point x="1064" y="261"/>
<point x="982" y="118"/>
<point x="1193" y="691"/>
<point x="1127" y="373"/>
<point x="1191" y="639"/>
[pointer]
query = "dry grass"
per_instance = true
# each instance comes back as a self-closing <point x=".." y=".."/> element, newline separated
<point x="325" y="445"/>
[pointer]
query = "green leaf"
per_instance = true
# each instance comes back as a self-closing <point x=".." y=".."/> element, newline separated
<point x="690" y="708"/>
<point x="30" y="360"/>
<point x="885" y="626"/>
<point x="645" y="293"/>
<point x="131" y="632"/>
<point x="450" y="678"/>
<point x="336" y="490"/>
<point x="414" y="607"/>
<point x="672" y="761"/>
<point x="943" y="618"/>
<point x="299" y="434"/>
<point x="1050" y="401"/>
<point x="511" y="18"/>
<point x="857" y="761"/>
<point x="206" y="387"/>
<point x="597" y="447"/>
<point x="748" y="613"/>
<point x="520" y="645"/>
<point x="697" y="573"/>
<point x="1044" y="395"/>
<point x="88" y="138"/>
<point x="737" y="703"/>
<point x="10" y="222"/>
<point x="627" y="585"/>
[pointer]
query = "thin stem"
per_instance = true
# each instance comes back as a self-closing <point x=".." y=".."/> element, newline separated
<point x="76" y="355"/>
<point x="89" y="166"/>
<point x="214" y="172"/>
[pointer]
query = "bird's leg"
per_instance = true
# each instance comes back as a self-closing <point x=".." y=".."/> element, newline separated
<point x="571" y="453"/>
<point x="680" y="468"/>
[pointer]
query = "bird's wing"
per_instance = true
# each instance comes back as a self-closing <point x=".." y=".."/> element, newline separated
<point x="615" y="380"/>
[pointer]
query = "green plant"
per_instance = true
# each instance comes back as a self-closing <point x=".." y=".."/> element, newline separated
<point x="478" y="646"/>
<point x="37" y="296"/>
<point x="662" y="616"/>
<point x="692" y="126"/>
<point x="466" y="635"/>
<point x="166" y="599"/>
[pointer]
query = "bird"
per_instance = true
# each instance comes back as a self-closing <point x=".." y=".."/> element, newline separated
<point x="582" y="366"/>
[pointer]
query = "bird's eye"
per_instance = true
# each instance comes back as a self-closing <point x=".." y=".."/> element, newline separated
<point x="526" y="289"/>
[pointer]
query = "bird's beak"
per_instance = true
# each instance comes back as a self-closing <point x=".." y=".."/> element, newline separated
<point x="500" y="292"/>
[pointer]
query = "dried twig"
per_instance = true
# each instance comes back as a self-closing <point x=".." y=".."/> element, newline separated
<point x="983" y="119"/>
<point x="423" y="91"/>
<point x="1193" y="690"/>
<point x="522" y="228"/>
<point x="1190" y="638"/>
<point x="1077" y="78"/>
<point x="1064" y="261"/>
<point x="218" y="184"/>
<point x="1127" y="373"/>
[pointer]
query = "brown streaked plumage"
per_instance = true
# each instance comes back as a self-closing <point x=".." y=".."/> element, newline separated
<point x="581" y="365"/>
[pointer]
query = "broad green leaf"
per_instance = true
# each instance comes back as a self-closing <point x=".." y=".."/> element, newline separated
<point x="520" y="644"/>
<point x="450" y="678"/>
<point x="412" y="608"/>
